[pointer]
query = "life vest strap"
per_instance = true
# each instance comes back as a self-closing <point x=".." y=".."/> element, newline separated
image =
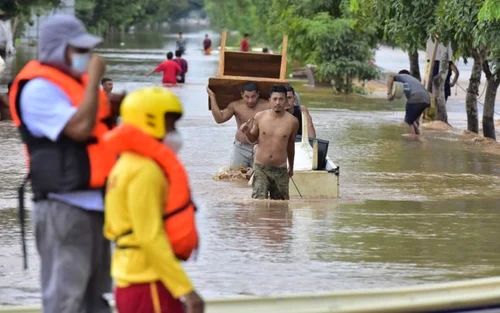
<point x="179" y="210"/>
<point x="124" y="247"/>
<point x="22" y="216"/>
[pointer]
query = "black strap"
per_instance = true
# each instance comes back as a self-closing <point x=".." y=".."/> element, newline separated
<point x="179" y="210"/>
<point x="121" y="247"/>
<point x="20" y="193"/>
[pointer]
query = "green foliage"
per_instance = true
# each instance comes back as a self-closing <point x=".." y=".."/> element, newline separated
<point x="342" y="52"/>
<point x="490" y="11"/>
<point x="404" y="23"/>
<point x="321" y="32"/>
<point x="101" y="14"/>
<point x="22" y="8"/>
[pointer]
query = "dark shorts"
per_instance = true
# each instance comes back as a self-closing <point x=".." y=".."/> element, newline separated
<point x="270" y="182"/>
<point x="414" y="110"/>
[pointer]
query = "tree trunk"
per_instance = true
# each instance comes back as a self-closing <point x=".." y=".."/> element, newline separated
<point x="489" y="107"/>
<point x="414" y="67"/>
<point x="438" y="87"/>
<point x="473" y="92"/>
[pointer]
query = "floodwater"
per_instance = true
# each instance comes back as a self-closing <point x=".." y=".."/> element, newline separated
<point x="411" y="212"/>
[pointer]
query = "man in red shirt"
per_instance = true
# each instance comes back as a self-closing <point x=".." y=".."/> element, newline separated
<point x="244" y="43"/>
<point x="170" y="70"/>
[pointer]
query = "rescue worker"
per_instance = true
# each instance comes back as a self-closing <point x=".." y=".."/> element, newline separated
<point x="62" y="114"/>
<point x="149" y="212"/>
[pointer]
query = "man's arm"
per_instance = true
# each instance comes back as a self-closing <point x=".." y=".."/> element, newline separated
<point x="310" y="125"/>
<point x="251" y="128"/>
<point x="454" y="68"/>
<point x="80" y="126"/>
<point x="157" y="69"/>
<point x="290" y="149"/>
<point x="220" y="116"/>
<point x="390" y="82"/>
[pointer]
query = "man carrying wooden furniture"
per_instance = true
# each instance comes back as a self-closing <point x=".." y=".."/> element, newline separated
<point x="243" y="110"/>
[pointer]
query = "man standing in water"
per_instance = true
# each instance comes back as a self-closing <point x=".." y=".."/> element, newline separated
<point x="296" y="109"/>
<point x="4" y="104"/>
<point x="274" y="130"/>
<point x="184" y="66"/>
<point x="417" y="98"/>
<point x="180" y="44"/>
<point x="207" y="45"/>
<point x="244" y="46"/>
<point x="170" y="70"/>
<point x="243" y="110"/>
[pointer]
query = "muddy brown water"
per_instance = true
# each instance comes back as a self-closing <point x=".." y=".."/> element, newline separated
<point x="410" y="212"/>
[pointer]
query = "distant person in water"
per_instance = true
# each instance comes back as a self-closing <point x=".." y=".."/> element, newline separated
<point x="448" y="84"/>
<point x="170" y="70"/>
<point x="180" y="44"/>
<point x="244" y="46"/>
<point x="184" y="67"/>
<point x="296" y="109"/>
<point x="207" y="45"/>
<point x="265" y="50"/>
<point x="417" y="98"/>
<point x="107" y="85"/>
<point x="4" y="104"/>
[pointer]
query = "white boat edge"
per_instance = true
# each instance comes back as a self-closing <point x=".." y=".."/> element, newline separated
<point x="476" y="294"/>
<point x="308" y="182"/>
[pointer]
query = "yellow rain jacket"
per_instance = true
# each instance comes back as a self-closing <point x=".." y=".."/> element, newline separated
<point x="135" y="200"/>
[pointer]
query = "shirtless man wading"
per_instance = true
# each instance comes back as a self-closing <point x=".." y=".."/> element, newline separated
<point x="243" y="110"/>
<point x="274" y="130"/>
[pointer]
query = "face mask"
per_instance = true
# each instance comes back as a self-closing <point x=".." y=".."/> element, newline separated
<point x="173" y="140"/>
<point x="79" y="62"/>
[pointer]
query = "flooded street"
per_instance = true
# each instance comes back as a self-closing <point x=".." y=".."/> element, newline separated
<point x="410" y="212"/>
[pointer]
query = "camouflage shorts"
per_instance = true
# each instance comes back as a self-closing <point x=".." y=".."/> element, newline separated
<point x="270" y="182"/>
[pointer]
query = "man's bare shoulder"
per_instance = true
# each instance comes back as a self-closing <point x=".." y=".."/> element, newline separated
<point x="235" y="103"/>
<point x="261" y="113"/>
<point x="292" y="118"/>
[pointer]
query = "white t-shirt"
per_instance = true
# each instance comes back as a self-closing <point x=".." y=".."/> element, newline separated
<point x="45" y="111"/>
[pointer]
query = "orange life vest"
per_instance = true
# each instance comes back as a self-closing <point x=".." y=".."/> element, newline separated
<point x="93" y="162"/>
<point x="179" y="212"/>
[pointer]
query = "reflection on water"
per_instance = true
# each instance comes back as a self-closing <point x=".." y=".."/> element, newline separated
<point x="411" y="211"/>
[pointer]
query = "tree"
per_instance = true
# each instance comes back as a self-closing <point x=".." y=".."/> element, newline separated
<point x="487" y="34"/>
<point x="324" y="33"/>
<point x="456" y="21"/>
<point x="110" y="15"/>
<point x="404" y="23"/>
<point x="19" y="11"/>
